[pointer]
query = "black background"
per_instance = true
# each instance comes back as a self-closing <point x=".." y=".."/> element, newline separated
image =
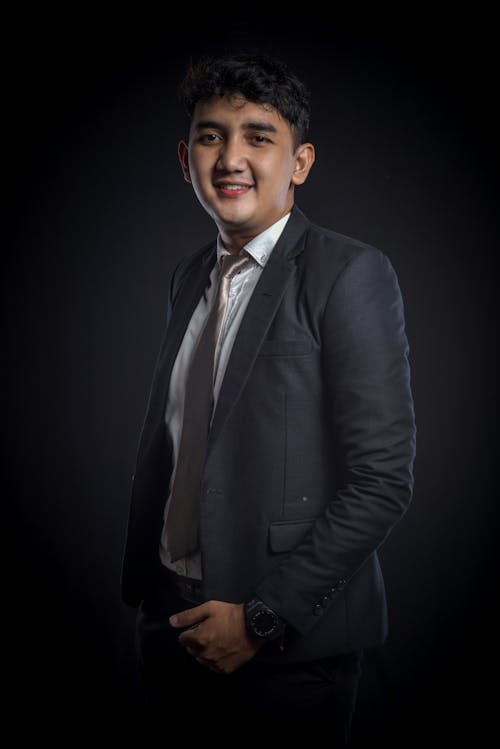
<point x="97" y="214"/>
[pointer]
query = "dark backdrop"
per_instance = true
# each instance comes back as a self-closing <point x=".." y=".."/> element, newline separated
<point x="97" y="214"/>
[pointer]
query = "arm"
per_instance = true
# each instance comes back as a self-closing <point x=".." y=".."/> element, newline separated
<point x="367" y="387"/>
<point x="138" y="551"/>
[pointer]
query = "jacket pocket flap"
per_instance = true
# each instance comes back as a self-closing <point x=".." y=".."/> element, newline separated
<point x="284" y="536"/>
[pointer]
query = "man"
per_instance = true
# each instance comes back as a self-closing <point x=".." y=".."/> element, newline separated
<point x="278" y="445"/>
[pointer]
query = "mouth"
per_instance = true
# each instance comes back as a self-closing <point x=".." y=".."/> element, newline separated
<point x="232" y="189"/>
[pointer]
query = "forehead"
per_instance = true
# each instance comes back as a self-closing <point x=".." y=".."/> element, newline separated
<point x="233" y="111"/>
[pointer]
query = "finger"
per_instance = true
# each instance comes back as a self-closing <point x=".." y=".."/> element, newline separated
<point x="189" y="638"/>
<point x="189" y="616"/>
<point x="209" y="664"/>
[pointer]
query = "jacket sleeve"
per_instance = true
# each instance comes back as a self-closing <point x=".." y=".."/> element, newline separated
<point x="140" y="548"/>
<point x="367" y="389"/>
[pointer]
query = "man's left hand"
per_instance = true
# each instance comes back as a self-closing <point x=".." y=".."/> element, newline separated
<point x="216" y="635"/>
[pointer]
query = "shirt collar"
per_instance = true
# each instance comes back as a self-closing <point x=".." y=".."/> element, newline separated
<point x="261" y="246"/>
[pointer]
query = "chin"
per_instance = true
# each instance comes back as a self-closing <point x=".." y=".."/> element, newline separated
<point x="233" y="219"/>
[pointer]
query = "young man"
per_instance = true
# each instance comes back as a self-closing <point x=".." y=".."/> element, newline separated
<point x="279" y="440"/>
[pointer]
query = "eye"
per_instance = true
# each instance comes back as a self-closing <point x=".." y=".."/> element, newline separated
<point x="260" y="139"/>
<point x="209" y="138"/>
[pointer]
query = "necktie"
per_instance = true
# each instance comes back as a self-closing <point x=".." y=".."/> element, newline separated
<point x="183" y="511"/>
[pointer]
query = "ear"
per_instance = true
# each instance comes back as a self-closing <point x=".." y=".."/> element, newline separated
<point x="183" y="152"/>
<point x="304" y="159"/>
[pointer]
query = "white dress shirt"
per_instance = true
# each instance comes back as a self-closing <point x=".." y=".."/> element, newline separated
<point x="241" y="289"/>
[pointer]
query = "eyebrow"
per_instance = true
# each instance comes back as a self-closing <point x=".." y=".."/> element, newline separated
<point x="262" y="126"/>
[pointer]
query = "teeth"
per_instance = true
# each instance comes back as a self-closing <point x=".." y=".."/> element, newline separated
<point x="233" y="187"/>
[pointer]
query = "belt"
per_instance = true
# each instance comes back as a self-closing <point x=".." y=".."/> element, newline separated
<point x="188" y="587"/>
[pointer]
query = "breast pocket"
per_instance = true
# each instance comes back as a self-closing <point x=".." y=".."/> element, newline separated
<point x="278" y="347"/>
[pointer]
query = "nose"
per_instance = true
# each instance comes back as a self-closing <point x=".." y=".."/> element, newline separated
<point x="232" y="156"/>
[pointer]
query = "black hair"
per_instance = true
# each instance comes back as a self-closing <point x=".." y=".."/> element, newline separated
<point x="259" y="78"/>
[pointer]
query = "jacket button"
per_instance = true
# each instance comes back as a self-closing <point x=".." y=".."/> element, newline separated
<point x="341" y="584"/>
<point x="325" y="601"/>
<point x="317" y="609"/>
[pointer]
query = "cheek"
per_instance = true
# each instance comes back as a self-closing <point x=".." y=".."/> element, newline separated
<point x="200" y="166"/>
<point x="200" y="182"/>
<point x="279" y="173"/>
<point x="281" y="183"/>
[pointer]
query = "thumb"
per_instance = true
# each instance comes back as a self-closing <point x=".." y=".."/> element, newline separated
<point x="190" y="616"/>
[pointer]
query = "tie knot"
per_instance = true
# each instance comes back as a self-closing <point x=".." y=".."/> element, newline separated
<point x="232" y="264"/>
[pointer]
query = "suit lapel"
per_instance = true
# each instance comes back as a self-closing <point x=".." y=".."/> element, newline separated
<point x="188" y="295"/>
<point x="258" y="317"/>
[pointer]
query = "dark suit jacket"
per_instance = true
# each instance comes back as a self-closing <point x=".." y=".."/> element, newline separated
<point x="311" y="449"/>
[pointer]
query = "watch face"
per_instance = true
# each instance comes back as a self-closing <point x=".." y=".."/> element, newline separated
<point x="264" y="623"/>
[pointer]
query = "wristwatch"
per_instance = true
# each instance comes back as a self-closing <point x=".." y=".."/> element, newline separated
<point x="261" y="621"/>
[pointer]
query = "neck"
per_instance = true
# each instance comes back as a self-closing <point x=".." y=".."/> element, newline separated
<point x="235" y="241"/>
<point x="234" y="244"/>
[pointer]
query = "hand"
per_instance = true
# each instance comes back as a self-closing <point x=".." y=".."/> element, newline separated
<point x="216" y="636"/>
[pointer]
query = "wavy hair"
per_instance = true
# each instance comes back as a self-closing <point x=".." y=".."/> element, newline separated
<point x="258" y="78"/>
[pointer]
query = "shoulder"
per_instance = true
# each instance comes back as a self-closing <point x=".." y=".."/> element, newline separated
<point x="193" y="260"/>
<point x="328" y="255"/>
<point x="334" y="248"/>
<point x="191" y="264"/>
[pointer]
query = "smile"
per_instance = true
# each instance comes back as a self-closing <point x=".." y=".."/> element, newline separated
<point x="232" y="190"/>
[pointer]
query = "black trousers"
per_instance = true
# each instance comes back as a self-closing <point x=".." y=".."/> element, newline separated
<point x="178" y="688"/>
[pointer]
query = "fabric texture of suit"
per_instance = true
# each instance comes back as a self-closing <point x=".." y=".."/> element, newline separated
<point x="310" y="455"/>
